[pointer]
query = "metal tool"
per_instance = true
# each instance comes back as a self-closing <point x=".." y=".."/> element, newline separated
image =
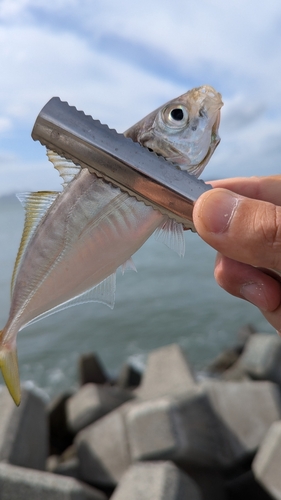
<point x="119" y="160"/>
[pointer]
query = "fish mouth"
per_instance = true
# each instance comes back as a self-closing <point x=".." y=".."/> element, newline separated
<point x="215" y="140"/>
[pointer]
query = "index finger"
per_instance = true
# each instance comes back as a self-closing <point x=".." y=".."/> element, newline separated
<point x="259" y="188"/>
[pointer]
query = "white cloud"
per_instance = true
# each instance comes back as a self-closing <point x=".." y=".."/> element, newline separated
<point x="11" y="8"/>
<point x="120" y="60"/>
<point x="32" y="176"/>
<point x="62" y="64"/>
<point x="5" y="124"/>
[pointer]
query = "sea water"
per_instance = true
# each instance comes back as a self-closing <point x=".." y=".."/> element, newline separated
<point x="169" y="300"/>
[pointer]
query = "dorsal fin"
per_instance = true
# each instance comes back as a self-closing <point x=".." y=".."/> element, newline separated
<point x="66" y="168"/>
<point x="104" y="292"/>
<point x="172" y="235"/>
<point x="35" y="205"/>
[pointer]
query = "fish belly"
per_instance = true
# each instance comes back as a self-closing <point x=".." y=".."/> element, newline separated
<point x="88" y="233"/>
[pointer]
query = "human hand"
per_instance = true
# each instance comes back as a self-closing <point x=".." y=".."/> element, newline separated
<point x="242" y="220"/>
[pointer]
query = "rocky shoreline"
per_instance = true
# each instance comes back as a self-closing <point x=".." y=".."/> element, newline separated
<point x="166" y="434"/>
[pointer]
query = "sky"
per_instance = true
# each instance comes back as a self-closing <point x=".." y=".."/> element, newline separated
<point x="118" y="61"/>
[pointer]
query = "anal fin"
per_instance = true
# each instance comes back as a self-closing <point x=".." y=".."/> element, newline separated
<point x="104" y="292"/>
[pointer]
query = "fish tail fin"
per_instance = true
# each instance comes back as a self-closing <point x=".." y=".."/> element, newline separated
<point x="10" y="370"/>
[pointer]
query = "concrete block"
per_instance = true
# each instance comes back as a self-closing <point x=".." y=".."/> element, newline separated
<point x="91" y="370"/>
<point x="52" y="462"/>
<point x="23" y="430"/>
<point x="245" y="411"/>
<point x="68" y="467"/>
<point x="91" y="402"/>
<point x="129" y="376"/>
<point x="183" y="429"/>
<point x="60" y="436"/>
<point x="244" y="333"/>
<point x="245" y="487"/>
<point x="66" y="464"/>
<point x="266" y="465"/>
<point x="70" y="452"/>
<point x="236" y="373"/>
<point x="224" y="361"/>
<point x="167" y="372"/>
<point x="261" y="357"/>
<point x="210" y="482"/>
<point x="103" y="450"/>
<point x="157" y="481"/>
<point x="17" y="483"/>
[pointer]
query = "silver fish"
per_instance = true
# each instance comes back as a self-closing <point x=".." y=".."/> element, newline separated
<point x="185" y="130"/>
<point x="73" y="241"/>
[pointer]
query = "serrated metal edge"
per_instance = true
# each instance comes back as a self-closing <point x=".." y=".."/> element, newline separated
<point x="121" y="137"/>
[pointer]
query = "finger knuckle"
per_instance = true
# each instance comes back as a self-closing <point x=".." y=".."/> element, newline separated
<point x="270" y="224"/>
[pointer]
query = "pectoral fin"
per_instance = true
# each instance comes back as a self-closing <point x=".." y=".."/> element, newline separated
<point x="10" y="371"/>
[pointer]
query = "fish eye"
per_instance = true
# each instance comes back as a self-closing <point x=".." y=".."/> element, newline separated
<point x="176" y="116"/>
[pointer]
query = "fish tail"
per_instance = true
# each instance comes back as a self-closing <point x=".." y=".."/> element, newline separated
<point x="10" y="369"/>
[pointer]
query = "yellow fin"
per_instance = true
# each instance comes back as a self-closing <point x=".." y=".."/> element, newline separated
<point x="10" y="371"/>
<point x="36" y="205"/>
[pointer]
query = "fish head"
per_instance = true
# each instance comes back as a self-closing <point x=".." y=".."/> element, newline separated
<point x="184" y="130"/>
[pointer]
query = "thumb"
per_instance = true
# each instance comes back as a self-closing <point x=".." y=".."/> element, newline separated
<point x="240" y="228"/>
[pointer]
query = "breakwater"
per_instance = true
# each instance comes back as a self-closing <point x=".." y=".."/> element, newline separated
<point x="168" y="433"/>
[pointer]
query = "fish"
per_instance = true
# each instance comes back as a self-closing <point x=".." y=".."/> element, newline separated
<point x="74" y="240"/>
